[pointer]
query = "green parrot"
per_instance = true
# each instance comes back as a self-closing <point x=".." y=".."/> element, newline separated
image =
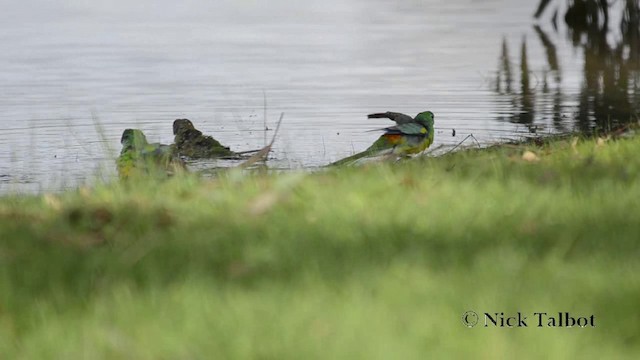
<point x="192" y="143"/>
<point x="408" y="136"/>
<point x="139" y="157"/>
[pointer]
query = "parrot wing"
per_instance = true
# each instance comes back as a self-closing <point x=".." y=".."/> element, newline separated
<point x="406" y="129"/>
<point x="399" y="118"/>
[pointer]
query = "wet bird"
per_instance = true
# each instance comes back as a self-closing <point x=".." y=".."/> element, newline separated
<point x="408" y="136"/>
<point x="139" y="157"/>
<point x="190" y="142"/>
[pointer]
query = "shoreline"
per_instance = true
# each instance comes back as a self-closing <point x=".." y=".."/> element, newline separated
<point x="331" y="262"/>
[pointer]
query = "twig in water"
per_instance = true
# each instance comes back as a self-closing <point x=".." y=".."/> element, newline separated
<point x="247" y="151"/>
<point x="264" y="152"/>
<point x="465" y="139"/>
<point x="264" y="116"/>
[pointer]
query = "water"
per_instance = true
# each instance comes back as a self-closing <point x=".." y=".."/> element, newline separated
<point x="75" y="74"/>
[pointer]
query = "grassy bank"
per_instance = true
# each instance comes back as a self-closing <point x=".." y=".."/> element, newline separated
<point x="373" y="262"/>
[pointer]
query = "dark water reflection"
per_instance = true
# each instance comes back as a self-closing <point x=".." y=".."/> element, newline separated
<point x="75" y="74"/>
<point x="608" y="96"/>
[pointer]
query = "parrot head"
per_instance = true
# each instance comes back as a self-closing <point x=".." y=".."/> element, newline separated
<point x="133" y="139"/>
<point x="180" y="125"/>
<point x="425" y="119"/>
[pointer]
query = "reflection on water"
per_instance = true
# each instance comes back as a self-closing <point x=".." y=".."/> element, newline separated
<point x="523" y="97"/>
<point x="609" y="95"/>
<point x="71" y="66"/>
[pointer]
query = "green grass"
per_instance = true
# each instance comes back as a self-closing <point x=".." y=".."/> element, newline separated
<point x="353" y="263"/>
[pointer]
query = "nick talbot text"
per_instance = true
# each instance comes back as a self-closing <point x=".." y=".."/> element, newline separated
<point x="538" y="319"/>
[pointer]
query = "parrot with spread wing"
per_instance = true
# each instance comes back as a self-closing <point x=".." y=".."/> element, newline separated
<point x="408" y="136"/>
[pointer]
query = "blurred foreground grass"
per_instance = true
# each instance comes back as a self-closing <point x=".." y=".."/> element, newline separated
<point x="372" y="262"/>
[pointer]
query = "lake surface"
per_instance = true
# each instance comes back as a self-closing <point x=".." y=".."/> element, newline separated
<point x="75" y="74"/>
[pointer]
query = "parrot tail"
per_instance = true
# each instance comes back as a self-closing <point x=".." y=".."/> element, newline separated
<point x="350" y="159"/>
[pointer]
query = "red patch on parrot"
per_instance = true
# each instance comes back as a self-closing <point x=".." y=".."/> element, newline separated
<point x="393" y="138"/>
